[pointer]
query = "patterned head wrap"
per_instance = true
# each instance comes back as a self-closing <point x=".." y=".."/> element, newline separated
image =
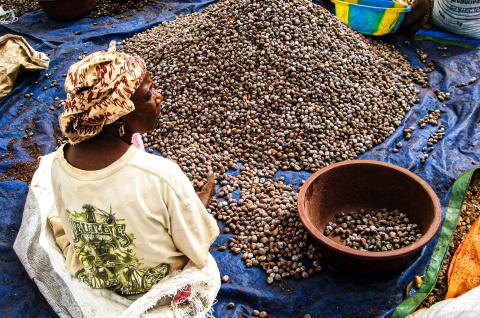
<point x="98" y="90"/>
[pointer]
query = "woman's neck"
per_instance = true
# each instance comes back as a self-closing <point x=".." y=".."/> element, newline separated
<point x="97" y="152"/>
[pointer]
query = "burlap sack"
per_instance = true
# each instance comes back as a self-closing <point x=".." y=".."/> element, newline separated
<point x="15" y="55"/>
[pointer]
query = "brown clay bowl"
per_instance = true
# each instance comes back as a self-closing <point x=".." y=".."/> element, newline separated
<point x="66" y="10"/>
<point x="367" y="184"/>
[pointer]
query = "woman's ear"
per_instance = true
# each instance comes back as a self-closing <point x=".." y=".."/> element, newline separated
<point x="128" y="124"/>
<point x="133" y="123"/>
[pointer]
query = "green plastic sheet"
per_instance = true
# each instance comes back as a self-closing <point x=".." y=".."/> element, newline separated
<point x="457" y="197"/>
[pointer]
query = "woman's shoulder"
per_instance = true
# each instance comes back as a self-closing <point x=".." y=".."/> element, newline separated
<point x="161" y="167"/>
<point x="133" y="164"/>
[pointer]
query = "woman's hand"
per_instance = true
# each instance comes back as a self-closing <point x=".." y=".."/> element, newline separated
<point x="418" y="17"/>
<point x="208" y="190"/>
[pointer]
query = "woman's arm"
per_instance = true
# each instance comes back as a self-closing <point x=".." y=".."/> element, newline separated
<point x="418" y="17"/>
<point x="59" y="234"/>
<point x="208" y="190"/>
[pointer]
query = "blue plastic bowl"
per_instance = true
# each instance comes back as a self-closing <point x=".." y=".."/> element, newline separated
<point x="374" y="17"/>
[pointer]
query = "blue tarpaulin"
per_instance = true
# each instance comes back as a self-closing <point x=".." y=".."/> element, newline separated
<point x="327" y="294"/>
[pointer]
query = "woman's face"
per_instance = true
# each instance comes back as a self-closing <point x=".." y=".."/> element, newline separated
<point x="147" y="112"/>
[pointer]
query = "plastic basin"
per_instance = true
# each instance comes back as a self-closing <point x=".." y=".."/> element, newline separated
<point x="371" y="17"/>
<point x="66" y="10"/>
<point x="365" y="184"/>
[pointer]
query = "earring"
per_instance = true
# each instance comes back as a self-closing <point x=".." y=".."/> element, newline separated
<point x="121" y="130"/>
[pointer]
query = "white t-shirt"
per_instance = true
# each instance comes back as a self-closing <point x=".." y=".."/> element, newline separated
<point x="131" y="223"/>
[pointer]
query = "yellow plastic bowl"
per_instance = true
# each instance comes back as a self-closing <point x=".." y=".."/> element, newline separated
<point x="374" y="17"/>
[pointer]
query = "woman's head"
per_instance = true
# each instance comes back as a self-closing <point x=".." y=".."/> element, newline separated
<point x="105" y="88"/>
<point x="147" y="108"/>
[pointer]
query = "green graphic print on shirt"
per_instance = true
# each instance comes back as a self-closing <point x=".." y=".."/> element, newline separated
<point x="107" y="253"/>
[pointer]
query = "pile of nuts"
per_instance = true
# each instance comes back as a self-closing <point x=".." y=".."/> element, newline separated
<point x="378" y="230"/>
<point x="20" y="6"/>
<point x="431" y="118"/>
<point x="422" y="55"/>
<point x="407" y="132"/>
<point x="436" y="137"/>
<point x="264" y="86"/>
<point x="442" y="96"/>
<point x="115" y="7"/>
<point x="102" y="8"/>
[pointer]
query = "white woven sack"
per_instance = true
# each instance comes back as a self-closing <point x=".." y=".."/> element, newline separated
<point x="458" y="16"/>
<point x="69" y="297"/>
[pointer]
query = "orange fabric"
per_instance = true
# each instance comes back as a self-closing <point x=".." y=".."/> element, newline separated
<point x="464" y="270"/>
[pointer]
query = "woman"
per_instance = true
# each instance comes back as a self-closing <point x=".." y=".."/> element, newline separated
<point x="126" y="218"/>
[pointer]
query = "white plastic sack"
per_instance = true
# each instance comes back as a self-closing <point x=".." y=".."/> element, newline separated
<point x="69" y="297"/>
<point x="464" y="306"/>
<point x="458" y="16"/>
